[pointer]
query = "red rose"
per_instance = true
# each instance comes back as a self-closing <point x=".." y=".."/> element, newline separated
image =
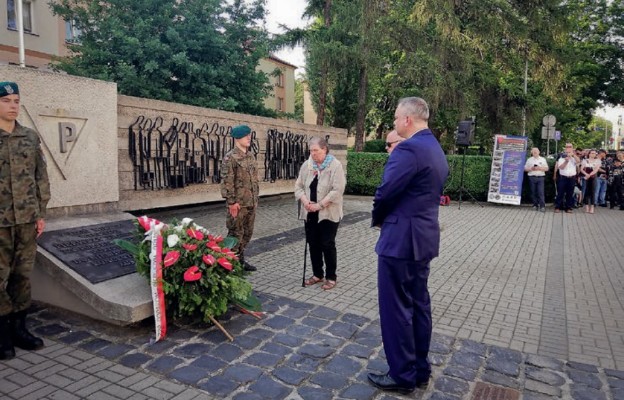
<point x="189" y="247"/>
<point x="225" y="263"/>
<point x="171" y="258"/>
<point x="192" y="274"/>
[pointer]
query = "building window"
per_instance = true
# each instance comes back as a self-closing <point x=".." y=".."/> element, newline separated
<point x="280" y="104"/>
<point x="280" y="80"/>
<point x="72" y="33"/>
<point x="27" y="8"/>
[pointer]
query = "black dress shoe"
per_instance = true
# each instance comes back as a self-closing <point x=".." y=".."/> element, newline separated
<point x="249" y="267"/>
<point x="385" y="382"/>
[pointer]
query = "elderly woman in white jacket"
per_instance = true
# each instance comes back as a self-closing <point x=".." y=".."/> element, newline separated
<point x="319" y="188"/>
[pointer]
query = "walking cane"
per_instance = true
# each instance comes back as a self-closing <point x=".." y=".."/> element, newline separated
<point x="305" y="251"/>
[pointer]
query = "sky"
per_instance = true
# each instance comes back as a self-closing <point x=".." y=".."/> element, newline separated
<point x="289" y="13"/>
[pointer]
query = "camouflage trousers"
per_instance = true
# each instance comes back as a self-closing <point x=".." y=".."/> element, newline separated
<point x="241" y="228"/>
<point x="18" y="247"/>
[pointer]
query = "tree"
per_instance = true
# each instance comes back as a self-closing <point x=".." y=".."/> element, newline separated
<point x="200" y="52"/>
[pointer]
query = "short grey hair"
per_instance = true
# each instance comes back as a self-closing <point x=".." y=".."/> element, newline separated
<point x="415" y="107"/>
<point x="320" y="142"/>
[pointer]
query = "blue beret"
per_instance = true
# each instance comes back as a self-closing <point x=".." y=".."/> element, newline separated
<point x="7" y="88"/>
<point x="240" y="131"/>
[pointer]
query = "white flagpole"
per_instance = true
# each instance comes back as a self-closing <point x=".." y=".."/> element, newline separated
<point x="20" y="33"/>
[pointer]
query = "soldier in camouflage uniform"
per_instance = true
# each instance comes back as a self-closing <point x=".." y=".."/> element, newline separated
<point x="24" y="195"/>
<point x="239" y="187"/>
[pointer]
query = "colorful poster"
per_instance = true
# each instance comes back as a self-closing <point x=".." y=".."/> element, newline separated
<point x="507" y="169"/>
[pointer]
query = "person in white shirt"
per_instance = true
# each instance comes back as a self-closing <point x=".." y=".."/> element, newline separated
<point x="566" y="165"/>
<point x="536" y="168"/>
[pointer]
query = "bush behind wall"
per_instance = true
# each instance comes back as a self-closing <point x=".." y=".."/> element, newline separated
<point x="364" y="172"/>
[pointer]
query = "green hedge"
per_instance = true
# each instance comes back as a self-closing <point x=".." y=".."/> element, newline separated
<point x="364" y="172"/>
<point x="375" y="146"/>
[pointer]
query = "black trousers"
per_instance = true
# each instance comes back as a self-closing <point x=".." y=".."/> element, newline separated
<point x="321" y="237"/>
<point x="565" y="188"/>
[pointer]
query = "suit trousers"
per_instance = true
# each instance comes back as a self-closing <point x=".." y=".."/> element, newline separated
<point x="537" y="190"/>
<point x="18" y="247"/>
<point x="565" y="189"/>
<point x="321" y="237"/>
<point x="405" y="317"/>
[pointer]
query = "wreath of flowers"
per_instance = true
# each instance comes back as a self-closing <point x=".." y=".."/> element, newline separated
<point x="201" y="275"/>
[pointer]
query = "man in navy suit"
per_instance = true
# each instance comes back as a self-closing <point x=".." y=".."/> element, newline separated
<point x="406" y="209"/>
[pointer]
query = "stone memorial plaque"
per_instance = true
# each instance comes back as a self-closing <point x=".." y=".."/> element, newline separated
<point x="90" y="251"/>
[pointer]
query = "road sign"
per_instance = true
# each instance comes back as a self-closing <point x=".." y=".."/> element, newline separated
<point x="549" y="120"/>
<point x="548" y="132"/>
<point x="557" y="135"/>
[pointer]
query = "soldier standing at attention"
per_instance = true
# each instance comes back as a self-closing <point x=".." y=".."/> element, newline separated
<point x="24" y="195"/>
<point x="240" y="189"/>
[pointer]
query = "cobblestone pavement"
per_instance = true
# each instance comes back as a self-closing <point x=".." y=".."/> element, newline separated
<point x="526" y="306"/>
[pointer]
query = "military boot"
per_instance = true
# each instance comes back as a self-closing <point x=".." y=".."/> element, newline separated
<point x="7" y="351"/>
<point x="20" y="335"/>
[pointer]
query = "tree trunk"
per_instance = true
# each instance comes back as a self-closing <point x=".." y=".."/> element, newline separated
<point x="320" y="116"/>
<point x="361" y="111"/>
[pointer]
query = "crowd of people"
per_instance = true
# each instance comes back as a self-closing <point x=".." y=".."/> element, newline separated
<point x="589" y="178"/>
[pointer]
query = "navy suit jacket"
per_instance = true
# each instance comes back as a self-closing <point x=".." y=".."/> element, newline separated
<point x="407" y="201"/>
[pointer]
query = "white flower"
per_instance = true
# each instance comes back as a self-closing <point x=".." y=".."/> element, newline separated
<point x="178" y="228"/>
<point x="172" y="240"/>
<point x="186" y="221"/>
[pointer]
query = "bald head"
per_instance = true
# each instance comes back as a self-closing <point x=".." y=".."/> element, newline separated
<point x="392" y="140"/>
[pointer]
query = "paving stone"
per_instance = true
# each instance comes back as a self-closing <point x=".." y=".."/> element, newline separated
<point x="290" y="375"/>
<point x="247" y="342"/>
<point x="75" y="337"/>
<point x="582" y="367"/>
<point x="315" y="322"/>
<point x="209" y="363"/>
<point x="301" y="304"/>
<point x="618" y="394"/>
<point x="326" y="340"/>
<point x="301" y="330"/>
<point x="442" y="396"/>
<point x="94" y="345"/>
<point x="303" y="363"/>
<point x="164" y="364"/>
<point x="247" y="396"/>
<point x="461" y="372"/>
<point x="440" y="347"/>
<point x="452" y="386"/>
<point x="135" y="360"/>
<point x="528" y="395"/>
<point x="268" y="388"/>
<point x="324" y="313"/>
<point x="279" y="322"/>
<point x="437" y="359"/>
<point x="368" y="341"/>
<point x="188" y="374"/>
<point x="263" y="360"/>
<point x="277" y="349"/>
<point x="357" y="350"/>
<point x="585" y="378"/>
<point x="343" y="365"/>
<point x="260" y="333"/>
<point x="614" y="373"/>
<point x="316" y="350"/>
<point x="358" y="391"/>
<point x="294" y="313"/>
<point x="242" y="373"/>
<point x="582" y="392"/>
<point x="470" y="346"/>
<point x="328" y="380"/>
<point x="180" y="335"/>
<point x="541" y="387"/>
<point x="616" y="383"/>
<point x="545" y="376"/>
<point x="160" y="347"/>
<point x="377" y="365"/>
<point x="212" y="336"/>
<point x="469" y="360"/>
<point x="192" y="350"/>
<point x="219" y="386"/>
<point x="288" y="340"/>
<point x="545" y="362"/>
<point x="314" y="393"/>
<point x="115" y="350"/>
<point x="342" y="329"/>
<point x="51" y="329"/>
<point x="500" y="379"/>
<point x="503" y="365"/>
<point x="227" y="352"/>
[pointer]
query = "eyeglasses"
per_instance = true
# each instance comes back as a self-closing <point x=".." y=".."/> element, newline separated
<point x="389" y="144"/>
